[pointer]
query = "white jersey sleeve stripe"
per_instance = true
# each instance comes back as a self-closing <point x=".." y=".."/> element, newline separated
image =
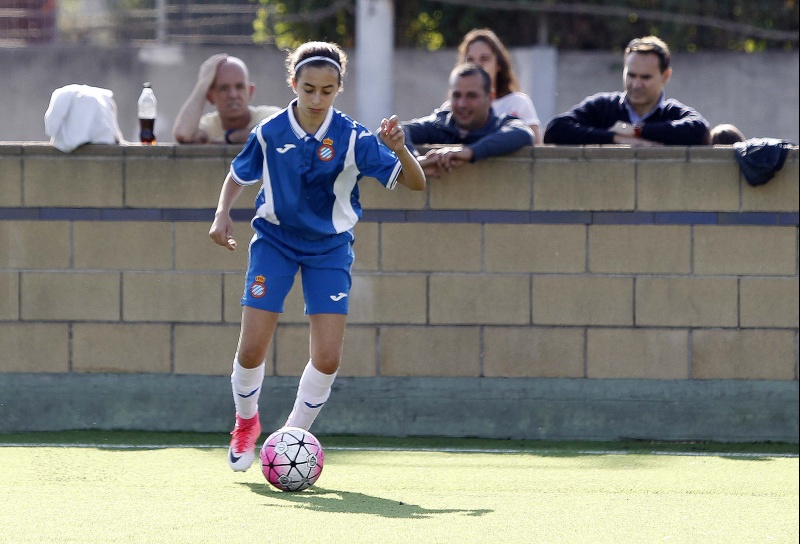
<point x="395" y="174"/>
<point x="238" y="180"/>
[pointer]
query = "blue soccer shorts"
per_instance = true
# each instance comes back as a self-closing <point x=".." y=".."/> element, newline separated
<point x="275" y="256"/>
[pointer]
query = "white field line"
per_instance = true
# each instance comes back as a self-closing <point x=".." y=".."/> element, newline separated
<point x="741" y="455"/>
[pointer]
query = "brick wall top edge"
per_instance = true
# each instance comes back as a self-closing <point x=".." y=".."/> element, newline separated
<point x="619" y="152"/>
<point x="534" y="179"/>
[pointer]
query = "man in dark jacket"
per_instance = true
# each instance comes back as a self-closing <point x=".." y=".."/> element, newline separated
<point x="640" y="116"/>
<point x="469" y="129"/>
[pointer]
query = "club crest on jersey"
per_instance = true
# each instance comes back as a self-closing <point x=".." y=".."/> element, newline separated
<point x="325" y="151"/>
<point x="258" y="289"/>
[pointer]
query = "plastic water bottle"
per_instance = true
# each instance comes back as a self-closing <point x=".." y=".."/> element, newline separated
<point x="147" y="115"/>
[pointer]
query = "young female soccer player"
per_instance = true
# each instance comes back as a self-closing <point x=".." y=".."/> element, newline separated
<point x="309" y="158"/>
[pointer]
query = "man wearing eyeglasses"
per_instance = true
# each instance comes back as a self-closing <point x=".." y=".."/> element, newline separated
<point x="640" y="116"/>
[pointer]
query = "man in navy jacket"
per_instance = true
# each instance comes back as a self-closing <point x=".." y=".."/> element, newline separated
<point x="641" y="115"/>
<point x="469" y="129"/>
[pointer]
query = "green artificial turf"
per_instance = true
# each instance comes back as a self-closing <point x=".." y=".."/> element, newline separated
<point x="128" y="488"/>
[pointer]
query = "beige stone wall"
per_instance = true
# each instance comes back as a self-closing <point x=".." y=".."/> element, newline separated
<point x="597" y="262"/>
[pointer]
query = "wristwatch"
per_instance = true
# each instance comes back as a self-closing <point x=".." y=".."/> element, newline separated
<point x="637" y="130"/>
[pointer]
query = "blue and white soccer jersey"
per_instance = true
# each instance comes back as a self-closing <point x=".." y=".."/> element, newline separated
<point x="307" y="206"/>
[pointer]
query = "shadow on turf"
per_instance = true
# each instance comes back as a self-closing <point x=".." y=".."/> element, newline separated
<point x="329" y="500"/>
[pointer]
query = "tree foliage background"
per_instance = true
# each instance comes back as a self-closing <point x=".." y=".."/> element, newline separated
<point x="686" y="25"/>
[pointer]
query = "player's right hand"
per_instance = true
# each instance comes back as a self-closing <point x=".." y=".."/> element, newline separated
<point x="221" y="233"/>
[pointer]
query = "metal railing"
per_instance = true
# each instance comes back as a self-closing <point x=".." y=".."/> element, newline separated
<point x="27" y="21"/>
<point x="110" y="22"/>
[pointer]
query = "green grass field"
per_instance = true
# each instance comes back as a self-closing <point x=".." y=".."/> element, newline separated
<point x="87" y="487"/>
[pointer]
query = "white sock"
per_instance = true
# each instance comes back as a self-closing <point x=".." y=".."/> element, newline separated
<point x="312" y="393"/>
<point x="246" y="384"/>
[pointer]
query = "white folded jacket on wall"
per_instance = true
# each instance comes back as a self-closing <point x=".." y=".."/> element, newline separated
<point x="81" y="114"/>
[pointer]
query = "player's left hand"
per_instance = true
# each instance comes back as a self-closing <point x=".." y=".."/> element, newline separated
<point x="392" y="134"/>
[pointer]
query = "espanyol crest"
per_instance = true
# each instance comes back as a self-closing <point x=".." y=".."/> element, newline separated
<point x="325" y="151"/>
<point x="258" y="288"/>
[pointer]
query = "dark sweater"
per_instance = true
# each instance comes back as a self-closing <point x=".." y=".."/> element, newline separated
<point x="672" y="123"/>
<point x="499" y="136"/>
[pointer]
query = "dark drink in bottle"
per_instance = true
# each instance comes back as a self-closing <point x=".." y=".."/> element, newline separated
<point x="146" y="128"/>
<point x="147" y="115"/>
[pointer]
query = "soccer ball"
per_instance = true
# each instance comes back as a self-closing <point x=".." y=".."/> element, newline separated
<point x="291" y="459"/>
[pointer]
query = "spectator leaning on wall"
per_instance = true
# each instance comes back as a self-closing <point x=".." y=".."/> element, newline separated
<point x="641" y="115"/>
<point x="469" y="129"/>
<point x="224" y="82"/>
<point x="484" y="48"/>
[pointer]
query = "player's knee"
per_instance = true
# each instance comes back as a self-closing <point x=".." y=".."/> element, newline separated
<point x="327" y="363"/>
<point x="250" y="357"/>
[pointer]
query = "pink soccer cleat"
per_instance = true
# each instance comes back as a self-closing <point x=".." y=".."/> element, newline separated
<point x="242" y="451"/>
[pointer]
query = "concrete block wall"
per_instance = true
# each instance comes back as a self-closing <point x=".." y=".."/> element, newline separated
<point x="555" y="263"/>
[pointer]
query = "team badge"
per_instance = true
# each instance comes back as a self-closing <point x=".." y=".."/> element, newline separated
<point x="325" y="151"/>
<point x="258" y="289"/>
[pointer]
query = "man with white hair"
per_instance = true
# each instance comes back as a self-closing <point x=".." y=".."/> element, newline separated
<point x="224" y="82"/>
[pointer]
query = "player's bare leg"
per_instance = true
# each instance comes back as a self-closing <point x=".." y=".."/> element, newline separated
<point x="325" y="346"/>
<point x="258" y="328"/>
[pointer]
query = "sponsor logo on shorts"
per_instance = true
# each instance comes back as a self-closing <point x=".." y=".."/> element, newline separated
<point x="258" y="288"/>
<point x="338" y="297"/>
<point x="325" y="151"/>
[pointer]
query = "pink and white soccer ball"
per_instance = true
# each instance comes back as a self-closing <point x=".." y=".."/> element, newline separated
<point x="292" y="459"/>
